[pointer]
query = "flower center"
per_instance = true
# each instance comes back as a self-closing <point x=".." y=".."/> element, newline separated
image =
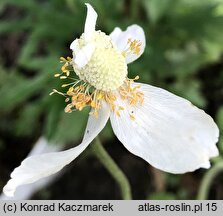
<point x="107" y="68"/>
<point x="102" y="78"/>
<point x="81" y="94"/>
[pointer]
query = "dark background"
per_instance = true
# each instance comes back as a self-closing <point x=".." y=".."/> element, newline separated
<point x="183" y="55"/>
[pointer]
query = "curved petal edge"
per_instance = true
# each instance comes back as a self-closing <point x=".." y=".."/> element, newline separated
<point x="121" y="38"/>
<point x="168" y="131"/>
<point x="90" y="22"/>
<point x="39" y="166"/>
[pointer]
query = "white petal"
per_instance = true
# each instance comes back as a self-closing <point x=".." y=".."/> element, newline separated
<point x="133" y="32"/>
<point x="90" y="22"/>
<point x="169" y="132"/>
<point x="83" y="56"/>
<point x="115" y="37"/>
<point x="40" y="166"/>
<point x="75" y="45"/>
<point x="26" y="191"/>
<point x="43" y="146"/>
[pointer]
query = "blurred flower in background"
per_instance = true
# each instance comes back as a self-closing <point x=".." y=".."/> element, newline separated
<point x="184" y="56"/>
<point x="42" y="146"/>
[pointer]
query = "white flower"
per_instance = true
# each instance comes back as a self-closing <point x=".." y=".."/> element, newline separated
<point x="165" y="130"/>
<point x="25" y="192"/>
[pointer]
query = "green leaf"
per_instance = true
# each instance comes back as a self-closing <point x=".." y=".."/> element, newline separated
<point x="220" y="125"/>
<point x="19" y="92"/>
<point x="28" y="121"/>
<point x="220" y="118"/>
<point x="70" y="127"/>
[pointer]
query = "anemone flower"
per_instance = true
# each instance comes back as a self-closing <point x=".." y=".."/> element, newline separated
<point x="165" y="130"/>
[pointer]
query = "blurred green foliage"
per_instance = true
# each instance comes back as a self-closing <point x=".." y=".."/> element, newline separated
<point x="183" y="37"/>
<point x="220" y="124"/>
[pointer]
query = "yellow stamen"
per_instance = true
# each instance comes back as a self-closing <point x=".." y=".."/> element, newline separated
<point x="65" y="85"/>
<point x="62" y="59"/>
<point x="82" y="94"/>
<point x="118" y="113"/>
<point x="63" y="77"/>
<point x="132" y="117"/>
<point x="133" y="46"/>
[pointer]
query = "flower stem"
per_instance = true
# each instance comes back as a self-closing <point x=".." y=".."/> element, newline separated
<point x="207" y="180"/>
<point x="100" y="152"/>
